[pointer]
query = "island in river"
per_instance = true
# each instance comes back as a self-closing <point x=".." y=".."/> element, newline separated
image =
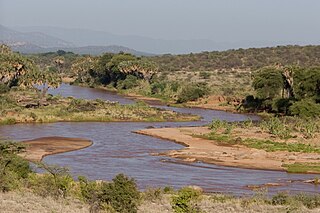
<point x="38" y="148"/>
<point x="242" y="148"/>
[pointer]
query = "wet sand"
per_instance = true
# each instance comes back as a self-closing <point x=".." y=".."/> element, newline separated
<point x="38" y="148"/>
<point x="208" y="151"/>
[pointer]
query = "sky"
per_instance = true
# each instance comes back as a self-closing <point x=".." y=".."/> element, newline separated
<point x="218" y="20"/>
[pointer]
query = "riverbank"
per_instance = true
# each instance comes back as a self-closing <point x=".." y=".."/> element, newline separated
<point x="38" y="148"/>
<point x="211" y="102"/>
<point x="24" y="107"/>
<point x="217" y="152"/>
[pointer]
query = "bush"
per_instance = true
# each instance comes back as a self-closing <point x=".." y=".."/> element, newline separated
<point x="130" y="82"/>
<point x="13" y="168"/>
<point x="78" y="105"/>
<point x="280" y="199"/>
<point x="184" y="202"/>
<point x="305" y="108"/>
<point x="90" y="192"/>
<point x="57" y="182"/>
<point x="158" y="87"/>
<point x="191" y="93"/>
<point x="122" y="194"/>
<point x="276" y="127"/>
<point x="309" y="201"/>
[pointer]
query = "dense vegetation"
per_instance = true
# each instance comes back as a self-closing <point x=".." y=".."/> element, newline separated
<point x="250" y="59"/>
<point x="177" y="78"/>
<point x="21" y="102"/>
<point x="286" y="90"/>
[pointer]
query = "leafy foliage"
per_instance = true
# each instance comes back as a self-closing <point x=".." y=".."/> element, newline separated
<point x="305" y="108"/>
<point x="191" y="93"/>
<point x="122" y="194"/>
<point x="184" y="201"/>
<point x="268" y="83"/>
<point x="12" y="167"/>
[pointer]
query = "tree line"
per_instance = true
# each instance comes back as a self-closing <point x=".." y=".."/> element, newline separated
<point x="289" y="90"/>
<point x="250" y="59"/>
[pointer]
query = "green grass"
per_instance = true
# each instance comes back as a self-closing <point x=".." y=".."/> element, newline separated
<point x="272" y="146"/>
<point x="267" y="145"/>
<point x="302" y="167"/>
<point x="78" y="110"/>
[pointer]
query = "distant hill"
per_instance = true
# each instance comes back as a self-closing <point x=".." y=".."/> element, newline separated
<point x="245" y="59"/>
<point x="30" y="39"/>
<point x="90" y="50"/>
<point x="83" y="37"/>
<point x="35" y="42"/>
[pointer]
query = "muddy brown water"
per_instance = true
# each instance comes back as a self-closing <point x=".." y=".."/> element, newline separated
<point x="117" y="150"/>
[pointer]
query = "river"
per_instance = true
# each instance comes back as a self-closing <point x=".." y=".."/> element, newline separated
<point x="116" y="150"/>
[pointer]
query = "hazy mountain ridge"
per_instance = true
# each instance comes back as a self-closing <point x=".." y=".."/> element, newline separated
<point x="38" y="42"/>
<point x="16" y="38"/>
<point x="44" y="39"/>
<point x="83" y="37"/>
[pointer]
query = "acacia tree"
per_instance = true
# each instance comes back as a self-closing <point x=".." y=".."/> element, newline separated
<point x="16" y="70"/>
<point x="140" y="68"/>
<point x="43" y="79"/>
<point x="82" y="68"/>
<point x="13" y="66"/>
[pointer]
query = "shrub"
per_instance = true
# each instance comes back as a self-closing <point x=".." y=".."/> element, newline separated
<point x="305" y="108"/>
<point x="13" y="168"/>
<point x="57" y="182"/>
<point x="78" y="105"/>
<point x="276" y="127"/>
<point x="218" y="124"/>
<point x="90" y="192"/>
<point x="122" y="194"/>
<point x="309" y="201"/>
<point x="158" y="87"/>
<point x="191" y="93"/>
<point x="280" y="199"/>
<point x="168" y="189"/>
<point x="130" y="82"/>
<point x="185" y="200"/>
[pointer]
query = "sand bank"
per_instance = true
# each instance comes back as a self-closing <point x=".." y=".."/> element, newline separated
<point x="38" y="148"/>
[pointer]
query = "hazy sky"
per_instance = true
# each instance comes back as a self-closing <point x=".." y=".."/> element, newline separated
<point x="219" y="20"/>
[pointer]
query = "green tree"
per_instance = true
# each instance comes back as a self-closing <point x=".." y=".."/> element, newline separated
<point x="17" y="70"/>
<point x="268" y="83"/>
<point x="307" y="83"/>
<point x="13" y="66"/>
<point x="141" y="68"/>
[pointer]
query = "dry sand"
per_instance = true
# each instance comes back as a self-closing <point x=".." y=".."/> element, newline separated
<point x="209" y="151"/>
<point x="38" y="148"/>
